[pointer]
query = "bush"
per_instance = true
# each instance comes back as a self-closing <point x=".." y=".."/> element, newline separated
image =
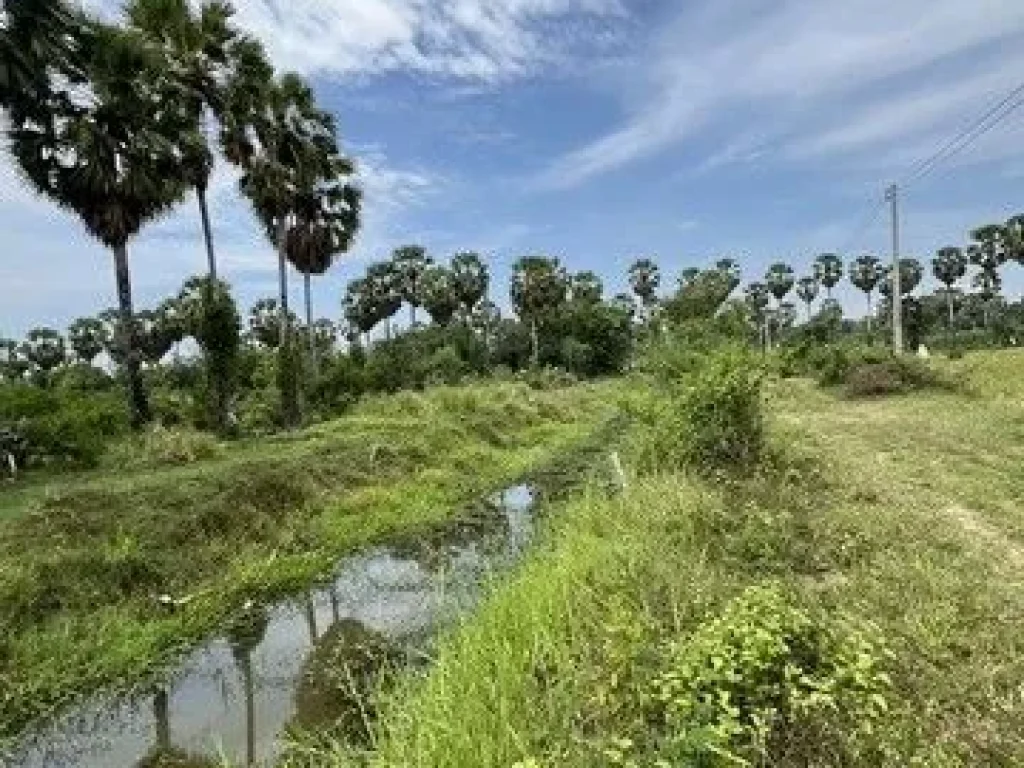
<point x="712" y="419"/>
<point x="766" y="682"/>
<point x="897" y="375"/>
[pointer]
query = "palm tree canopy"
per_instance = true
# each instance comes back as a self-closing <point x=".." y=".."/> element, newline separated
<point x="586" y="287"/>
<point x="757" y="296"/>
<point x="988" y="284"/>
<point x="470" y="279"/>
<point x="730" y="269"/>
<point x="410" y="263"/>
<point x="357" y="306"/>
<point x="1013" y="238"/>
<point x="437" y="287"/>
<point x="828" y="269"/>
<point x="539" y="286"/>
<point x="38" y="38"/>
<point x="644" y="279"/>
<point x="911" y="273"/>
<point x="866" y="273"/>
<point x="111" y="152"/>
<point x="87" y="337"/>
<point x="45" y="348"/>
<point x="807" y="289"/>
<point x="779" y="279"/>
<point x="988" y="250"/>
<point x="949" y="265"/>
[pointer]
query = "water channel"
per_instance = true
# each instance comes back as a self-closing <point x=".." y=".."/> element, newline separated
<point x="237" y="696"/>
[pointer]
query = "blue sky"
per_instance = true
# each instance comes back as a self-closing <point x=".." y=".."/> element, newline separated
<point x="596" y="131"/>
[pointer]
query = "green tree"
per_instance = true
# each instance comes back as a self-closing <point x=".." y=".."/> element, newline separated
<point x="911" y="274"/>
<point x="866" y="273"/>
<point x="585" y="287"/>
<point x="46" y="351"/>
<point x="37" y="39"/>
<point x="14" y="364"/>
<point x="383" y="284"/>
<point x="438" y="293"/>
<point x="807" y="292"/>
<point x="779" y="279"/>
<point x="410" y="264"/>
<point x="538" y="290"/>
<point x="987" y="284"/>
<point x="828" y="269"/>
<point x="357" y="306"/>
<point x="288" y="150"/>
<point x="1013" y="238"/>
<point x="644" y="280"/>
<point x="757" y="298"/>
<point x="113" y="159"/>
<point x="730" y="271"/>
<point x="197" y="42"/>
<point x="949" y="267"/>
<point x="470" y="280"/>
<point x="88" y="337"/>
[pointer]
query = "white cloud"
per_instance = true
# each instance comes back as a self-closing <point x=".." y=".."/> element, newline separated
<point x="486" y="40"/>
<point x="796" y="64"/>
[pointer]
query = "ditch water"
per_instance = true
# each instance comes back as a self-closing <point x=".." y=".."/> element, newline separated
<point x="237" y="696"/>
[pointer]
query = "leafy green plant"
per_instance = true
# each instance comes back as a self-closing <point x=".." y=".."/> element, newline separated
<point x="765" y="680"/>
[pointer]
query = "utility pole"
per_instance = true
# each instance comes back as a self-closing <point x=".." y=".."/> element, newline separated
<point x="892" y="195"/>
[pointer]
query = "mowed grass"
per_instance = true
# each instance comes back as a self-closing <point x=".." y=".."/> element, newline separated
<point x="896" y="519"/>
<point x="83" y="558"/>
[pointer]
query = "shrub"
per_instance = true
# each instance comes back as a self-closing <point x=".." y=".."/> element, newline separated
<point x="162" y="445"/>
<point x="711" y="419"/>
<point x="764" y="682"/>
<point x="897" y="375"/>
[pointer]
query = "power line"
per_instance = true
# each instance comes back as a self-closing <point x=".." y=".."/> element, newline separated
<point x="989" y="120"/>
<point x="864" y="224"/>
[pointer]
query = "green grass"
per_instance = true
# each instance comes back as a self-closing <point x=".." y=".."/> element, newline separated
<point x="83" y="556"/>
<point x="893" y="525"/>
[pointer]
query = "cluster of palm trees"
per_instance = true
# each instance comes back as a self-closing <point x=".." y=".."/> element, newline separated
<point x="119" y="122"/>
<point x="412" y="277"/>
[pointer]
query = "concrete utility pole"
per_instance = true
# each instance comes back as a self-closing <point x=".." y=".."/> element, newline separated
<point x="892" y="194"/>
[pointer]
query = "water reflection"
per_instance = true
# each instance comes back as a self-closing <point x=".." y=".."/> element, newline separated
<point x="279" y="666"/>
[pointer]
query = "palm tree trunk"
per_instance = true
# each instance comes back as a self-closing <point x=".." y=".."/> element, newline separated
<point x="949" y="303"/>
<point x="869" y="312"/>
<point x="412" y="316"/>
<point x="245" y="664"/>
<point x="138" y="402"/>
<point x="287" y="375"/>
<point x="161" y="713"/>
<point x="204" y="214"/>
<point x="314" y="354"/>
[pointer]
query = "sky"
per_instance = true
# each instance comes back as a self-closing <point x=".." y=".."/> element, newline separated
<point x="596" y="131"/>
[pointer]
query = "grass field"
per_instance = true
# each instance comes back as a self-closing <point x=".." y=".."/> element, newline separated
<point x="858" y="600"/>
<point x="83" y="557"/>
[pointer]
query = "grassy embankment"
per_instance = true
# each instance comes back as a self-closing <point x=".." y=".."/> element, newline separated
<point x="884" y="542"/>
<point x="82" y="558"/>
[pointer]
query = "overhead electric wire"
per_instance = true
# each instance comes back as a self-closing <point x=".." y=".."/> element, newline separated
<point x="989" y="120"/>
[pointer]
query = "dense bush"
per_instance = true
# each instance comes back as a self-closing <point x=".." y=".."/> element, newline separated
<point x="897" y="375"/>
<point x="711" y="418"/>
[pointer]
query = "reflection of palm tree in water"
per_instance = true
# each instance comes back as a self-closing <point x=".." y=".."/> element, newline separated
<point x="244" y="636"/>
<point x="163" y="754"/>
<point x="311" y="618"/>
<point x="161" y="713"/>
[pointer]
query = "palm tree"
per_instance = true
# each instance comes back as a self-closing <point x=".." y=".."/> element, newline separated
<point x="807" y="292"/>
<point x="1013" y="238"/>
<point x="87" y="337"/>
<point x="538" y="289"/>
<point x="688" y="275"/>
<point x="949" y="267"/>
<point x="730" y="270"/>
<point x="357" y="307"/>
<point x="38" y="38"/>
<point x="437" y="289"/>
<point x="112" y="159"/>
<point x="757" y="299"/>
<point x="288" y="150"/>
<point x="470" y="279"/>
<point x="828" y="269"/>
<point x="911" y="273"/>
<point x="644" y="280"/>
<point x="198" y="44"/>
<point x="410" y="264"/>
<point x="866" y="273"/>
<point x="586" y="287"/>
<point x="385" y="296"/>
<point x="45" y="350"/>
<point x="987" y="283"/>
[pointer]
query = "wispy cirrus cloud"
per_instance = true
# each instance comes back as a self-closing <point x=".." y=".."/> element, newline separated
<point x="823" y="78"/>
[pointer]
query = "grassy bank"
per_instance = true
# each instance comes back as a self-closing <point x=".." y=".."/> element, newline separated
<point x="83" y="558"/>
<point x="856" y="600"/>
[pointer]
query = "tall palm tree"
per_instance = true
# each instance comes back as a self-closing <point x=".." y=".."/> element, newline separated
<point x="730" y="270"/>
<point x="988" y="284"/>
<point x="411" y="263"/>
<point x="828" y="269"/>
<point x="470" y="280"/>
<point x="866" y="273"/>
<point x="911" y="274"/>
<point x="112" y="159"/>
<point x="757" y="298"/>
<point x="807" y="292"/>
<point x="46" y="351"/>
<point x="539" y="287"/>
<point x="949" y="267"/>
<point x="384" y="292"/>
<point x="644" y="280"/>
<point x="437" y="291"/>
<point x="357" y="307"/>
<point x="287" y="147"/>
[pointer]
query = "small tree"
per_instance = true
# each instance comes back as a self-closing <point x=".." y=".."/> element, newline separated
<point x="410" y="264"/>
<point x="88" y="337"/>
<point x="644" y="280"/>
<point x="828" y="270"/>
<point x="866" y="273"/>
<point x="949" y="267"/>
<point x="538" y="290"/>
<point x="807" y="292"/>
<point x="46" y="351"/>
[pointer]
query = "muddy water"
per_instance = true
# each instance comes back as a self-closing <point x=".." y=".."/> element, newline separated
<point x="234" y="697"/>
